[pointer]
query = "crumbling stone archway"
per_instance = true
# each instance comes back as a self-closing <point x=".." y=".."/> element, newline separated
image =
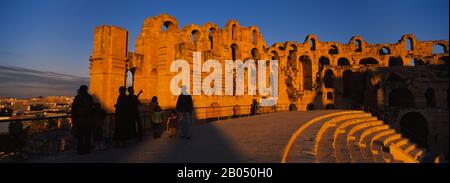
<point x="323" y="61"/>
<point x="401" y="98"/>
<point x="347" y="83"/>
<point x="168" y="26"/>
<point x="255" y="53"/>
<point x="235" y="53"/>
<point x="333" y="50"/>
<point x="292" y="107"/>
<point x="329" y="79"/>
<point x="305" y="61"/>
<point x="343" y="61"/>
<point x="395" y="61"/>
<point x="439" y="48"/>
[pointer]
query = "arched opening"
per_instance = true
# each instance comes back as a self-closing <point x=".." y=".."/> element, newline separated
<point x="401" y="98"/>
<point x="395" y="61"/>
<point x="323" y="61"/>
<point x="234" y="52"/>
<point x="312" y="44"/>
<point x="310" y="107"/>
<point x="414" y="126"/>
<point x="358" y="47"/>
<point x="129" y="78"/>
<point x="333" y="50"/>
<point x="292" y="107"/>
<point x="438" y="49"/>
<point x="430" y="97"/>
<point x="168" y="26"/>
<point x="254" y="53"/>
<point x="211" y="37"/>
<point x="385" y="51"/>
<point x="368" y="61"/>
<point x="343" y="61"/>
<point x="195" y="35"/>
<point x="274" y="55"/>
<point x="329" y="107"/>
<point x="154" y="81"/>
<point x="347" y="83"/>
<point x="307" y="72"/>
<point x="254" y="36"/>
<point x="234" y="32"/>
<point x="329" y="79"/>
<point x="409" y="44"/>
<point x="329" y="95"/>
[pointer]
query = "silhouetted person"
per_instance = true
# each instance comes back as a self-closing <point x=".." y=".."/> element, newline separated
<point x="253" y="107"/>
<point x="157" y="120"/>
<point x="153" y="105"/>
<point x="100" y="116"/>
<point x="82" y="118"/>
<point x="134" y="114"/>
<point x="121" y="129"/>
<point x="172" y="124"/>
<point x="185" y="107"/>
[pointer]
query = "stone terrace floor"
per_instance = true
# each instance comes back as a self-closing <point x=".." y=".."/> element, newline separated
<point x="256" y="139"/>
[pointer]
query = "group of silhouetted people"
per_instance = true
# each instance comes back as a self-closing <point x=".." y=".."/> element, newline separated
<point x="88" y="119"/>
<point x="127" y="117"/>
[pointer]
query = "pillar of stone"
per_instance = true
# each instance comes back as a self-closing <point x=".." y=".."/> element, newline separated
<point x="108" y="65"/>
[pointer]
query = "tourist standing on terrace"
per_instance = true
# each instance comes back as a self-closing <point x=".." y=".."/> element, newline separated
<point x="121" y="129"/>
<point x="82" y="118"/>
<point x="185" y="107"/>
<point x="135" y="122"/>
<point x="153" y="105"/>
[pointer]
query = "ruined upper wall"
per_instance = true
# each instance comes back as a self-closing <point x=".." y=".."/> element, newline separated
<point x="248" y="42"/>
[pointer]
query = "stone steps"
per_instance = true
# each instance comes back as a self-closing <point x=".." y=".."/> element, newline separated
<point x="342" y="150"/>
<point x="355" y="137"/>
<point x="304" y="145"/>
<point x="324" y="142"/>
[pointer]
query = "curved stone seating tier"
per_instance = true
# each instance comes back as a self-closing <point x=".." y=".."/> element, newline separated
<point x="366" y="137"/>
<point x="324" y="140"/>
<point x="302" y="144"/>
<point x="341" y="149"/>
<point x="353" y="137"/>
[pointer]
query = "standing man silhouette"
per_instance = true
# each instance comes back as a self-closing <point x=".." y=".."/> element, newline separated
<point x="134" y="115"/>
<point x="82" y="116"/>
<point x="184" y="108"/>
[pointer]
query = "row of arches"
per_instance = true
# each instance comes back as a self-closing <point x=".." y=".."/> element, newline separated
<point x="343" y="61"/>
<point x="403" y="98"/>
<point x="438" y="48"/>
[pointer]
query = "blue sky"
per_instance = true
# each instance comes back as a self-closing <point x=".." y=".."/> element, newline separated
<point x="57" y="35"/>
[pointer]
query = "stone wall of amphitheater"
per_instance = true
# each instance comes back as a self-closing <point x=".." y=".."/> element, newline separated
<point x="306" y="69"/>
